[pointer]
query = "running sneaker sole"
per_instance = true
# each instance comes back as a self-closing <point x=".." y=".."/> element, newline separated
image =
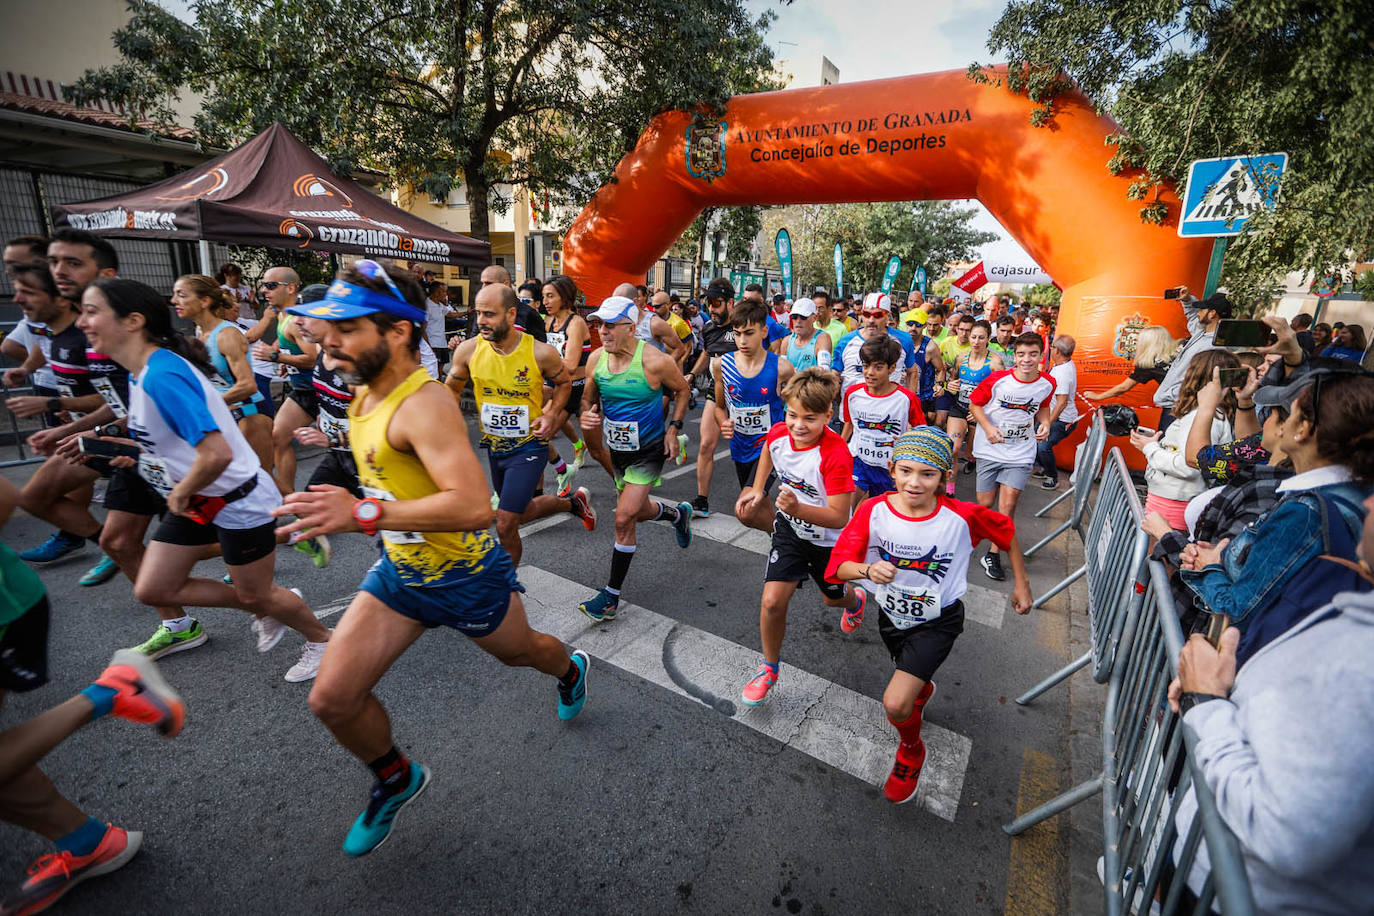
<point x="424" y="784"/>
<point x="174" y="648"/>
<point x="153" y="678"/>
<point x="587" y="515"/>
<point x="131" y="846"/>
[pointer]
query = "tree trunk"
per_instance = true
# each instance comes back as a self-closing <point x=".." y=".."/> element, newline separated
<point x="479" y="221"/>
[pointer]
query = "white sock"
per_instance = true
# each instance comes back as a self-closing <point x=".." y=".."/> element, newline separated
<point x="180" y="624"/>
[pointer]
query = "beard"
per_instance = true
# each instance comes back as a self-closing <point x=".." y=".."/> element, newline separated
<point x="366" y="367"/>
<point x="498" y="332"/>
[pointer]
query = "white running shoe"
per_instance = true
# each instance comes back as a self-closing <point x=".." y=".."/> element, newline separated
<point x="269" y="632"/>
<point x="309" y="664"/>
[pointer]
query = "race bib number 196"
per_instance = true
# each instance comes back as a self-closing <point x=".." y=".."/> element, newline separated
<point x="750" y="421"/>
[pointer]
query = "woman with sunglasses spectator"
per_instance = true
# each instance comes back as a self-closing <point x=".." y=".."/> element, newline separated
<point x="1294" y="559"/>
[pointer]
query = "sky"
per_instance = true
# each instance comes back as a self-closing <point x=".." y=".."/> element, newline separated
<point x="892" y="38"/>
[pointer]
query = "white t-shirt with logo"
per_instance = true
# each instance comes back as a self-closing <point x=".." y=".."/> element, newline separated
<point x="1010" y="405"/>
<point x="931" y="553"/>
<point x="878" y="421"/>
<point x="24" y="335"/>
<point x="1066" y="382"/>
<point x="813" y="475"/>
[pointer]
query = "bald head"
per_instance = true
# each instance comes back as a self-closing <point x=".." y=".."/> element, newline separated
<point x="286" y="283"/>
<point x="660" y="303"/>
<point x="628" y="290"/>
<point x="495" y="273"/>
<point x="498" y="296"/>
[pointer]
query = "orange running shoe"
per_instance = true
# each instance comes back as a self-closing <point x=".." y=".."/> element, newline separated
<point x="141" y="695"/>
<point x="906" y="772"/>
<point x="53" y="875"/>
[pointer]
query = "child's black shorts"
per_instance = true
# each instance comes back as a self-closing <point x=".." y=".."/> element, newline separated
<point x="920" y="650"/>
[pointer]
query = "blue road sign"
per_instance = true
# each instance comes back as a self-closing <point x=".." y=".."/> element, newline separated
<point x="1222" y="194"/>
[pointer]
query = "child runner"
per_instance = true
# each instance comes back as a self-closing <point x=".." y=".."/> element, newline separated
<point x="912" y="548"/>
<point x="813" y="468"/>
<point x="876" y="412"/>
<point x="968" y="373"/>
<point x="1012" y="410"/>
<point x="748" y="403"/>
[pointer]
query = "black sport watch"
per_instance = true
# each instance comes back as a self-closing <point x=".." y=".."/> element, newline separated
<point x="1189" y="700"/>
<point x="675" y="423"/>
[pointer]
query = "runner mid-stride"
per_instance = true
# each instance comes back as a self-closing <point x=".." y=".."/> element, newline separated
<point x="439" y="566"/>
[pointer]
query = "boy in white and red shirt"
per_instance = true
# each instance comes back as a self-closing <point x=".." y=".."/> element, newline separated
<point x="1012" y="411"/>
<point x="814" y="471"/>
<point x="876" y="411"/>
<point x="911" y="549"/>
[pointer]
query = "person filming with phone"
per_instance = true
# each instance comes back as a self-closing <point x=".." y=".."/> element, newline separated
<point x="1203" y="317"/>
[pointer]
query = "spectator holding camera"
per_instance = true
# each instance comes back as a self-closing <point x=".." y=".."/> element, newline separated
<point x="1299" y="555"/>
<point x="1203" y="318"/>
<point x="1171" y="477"/>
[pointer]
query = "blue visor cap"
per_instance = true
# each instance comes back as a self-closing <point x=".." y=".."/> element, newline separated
<point x="344" y="300"/>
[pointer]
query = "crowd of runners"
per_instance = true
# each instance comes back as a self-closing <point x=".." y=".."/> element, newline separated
<point x="845" y="434"/>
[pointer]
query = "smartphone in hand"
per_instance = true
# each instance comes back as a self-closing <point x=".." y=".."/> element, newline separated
<point x="88" y="445"/>
<point x="1235" y="332"/>
<point x="1233" y="378"/>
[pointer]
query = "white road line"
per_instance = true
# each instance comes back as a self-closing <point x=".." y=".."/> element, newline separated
<point x="831" y="723"/>
<point x="691" y="468"/>
<point x="981" y="605"/>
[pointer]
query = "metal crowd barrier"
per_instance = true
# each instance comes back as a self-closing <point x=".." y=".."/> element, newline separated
<point x="1086" y="466"/>
<point x="19" y="430"/>
<point x="1148" y="768"/>
<point x="1114" y="550"/>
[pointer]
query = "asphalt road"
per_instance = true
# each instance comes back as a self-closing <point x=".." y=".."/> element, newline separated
<point x="651" y="801"/>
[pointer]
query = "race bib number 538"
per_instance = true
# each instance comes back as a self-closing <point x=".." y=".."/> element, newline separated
<point x="906" y="607"/>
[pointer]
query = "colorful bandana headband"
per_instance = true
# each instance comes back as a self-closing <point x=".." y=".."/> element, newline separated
<point x="926" y="445"/>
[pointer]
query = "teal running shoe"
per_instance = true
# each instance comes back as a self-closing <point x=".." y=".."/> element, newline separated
<point x="570" y="699"/>
<point x="54" y="548"/>
<point x="316" y="548"/>
<point x="100" y="573"/>
<point x="373" y="826"/>
<point x="165" y="642"/>
<point x="603" y="606"/>
<point x="683" y="526"/>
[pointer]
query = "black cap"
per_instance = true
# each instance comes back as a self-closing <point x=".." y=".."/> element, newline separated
<point x="1218" y="303"/>
<point x="720" y="288"/>
<point x="313" y="293"/>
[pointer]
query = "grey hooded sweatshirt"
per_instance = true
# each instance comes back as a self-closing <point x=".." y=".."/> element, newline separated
<point x="1290" y="758"/>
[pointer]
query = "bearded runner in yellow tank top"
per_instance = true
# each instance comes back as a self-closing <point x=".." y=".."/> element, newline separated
<point x="439" y="567"/>
<point x="508" y="370"/>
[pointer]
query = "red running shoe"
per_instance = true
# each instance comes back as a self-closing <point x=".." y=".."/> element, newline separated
<point x="582" y="508"/>
<point x="906" y="772"/>
<point x="53" y="875"/>
<point x="141" y="695"/>
<point x="850" y="620"/>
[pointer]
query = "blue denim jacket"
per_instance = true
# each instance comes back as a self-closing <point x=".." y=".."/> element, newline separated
<point x="1261" y="560"/>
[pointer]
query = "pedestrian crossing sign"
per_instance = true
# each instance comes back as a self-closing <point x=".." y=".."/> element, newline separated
<point x="1222" y="194"/>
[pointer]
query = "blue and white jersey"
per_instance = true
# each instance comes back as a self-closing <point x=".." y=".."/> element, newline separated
<point x="754" y="404"/>
<point x="172" y="408"/>
<point x="851" y="368"/>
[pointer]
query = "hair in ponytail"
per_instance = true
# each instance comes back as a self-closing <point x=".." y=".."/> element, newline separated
<point x="222" y="303"/>
<point x="129" y="296"/>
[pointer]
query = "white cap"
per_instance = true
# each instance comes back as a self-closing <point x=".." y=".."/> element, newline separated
<point x="803" y="307"/>
<point x="875" y="301"/>
<point x="617" y="308"/>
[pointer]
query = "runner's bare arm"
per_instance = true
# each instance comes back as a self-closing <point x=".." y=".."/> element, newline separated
<point x="834" y="514"/>
<point x="458" y="370"/>
<point x="213" y="455"/>
<point x="233" y="346"/>
<point x="1020" y="593"/>
<point x="591" y="398"/>
<point x="785" y="372"/>
<point x="306" y="358"/>
<point x="269" y="315"/>
<point x="723" y="418"/>
<point x="672" y="344"/>
<point x="577" y="339"/>
<point x="556" y="376"/>
<point x="667" y="372"/>
<point x="993" y="433"/>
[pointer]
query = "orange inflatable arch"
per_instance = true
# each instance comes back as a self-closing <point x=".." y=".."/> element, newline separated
<point x="933" y="136"/>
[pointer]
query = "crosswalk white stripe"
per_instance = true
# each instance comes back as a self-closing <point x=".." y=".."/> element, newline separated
<point x="805" y="712"/>
<point x="981" y="605"/>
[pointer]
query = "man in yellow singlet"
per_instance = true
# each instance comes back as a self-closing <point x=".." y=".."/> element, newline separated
<point x="509" y="369"/>
<point x="439" y="565"/>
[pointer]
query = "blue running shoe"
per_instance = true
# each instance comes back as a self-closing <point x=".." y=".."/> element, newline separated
<point x="602" y="607"/>
<point x="101" y="572"/>
<point x="54" y="548"/>
<point x="683" y="526"/>
<point x="570" y="699"/>
<point x="373" y="826"/>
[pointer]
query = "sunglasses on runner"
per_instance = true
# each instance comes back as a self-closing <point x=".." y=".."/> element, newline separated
<point x="873" y="314"/>
<point x="273" y="284"/>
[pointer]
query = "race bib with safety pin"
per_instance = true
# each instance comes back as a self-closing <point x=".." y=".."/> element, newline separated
<point x="336" y="428"/>
<point x="1016" y="433"/>
<point x="907" y="607"/>
<point x="393" y="537"/>
<point x="507" y="421"/>
<point x="621" y="435"/>
<point x="750" y="420"/>
<point x="154" y="471"/>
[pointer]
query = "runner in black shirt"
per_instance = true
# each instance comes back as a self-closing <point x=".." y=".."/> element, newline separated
<point x="718" y="338"/>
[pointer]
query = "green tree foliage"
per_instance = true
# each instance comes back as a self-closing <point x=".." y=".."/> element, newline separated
<point x="738" y="226"/>
<point x="926" y="233"/>
<point x="1042" y="294"/>
<point x="1196" y="79"/>
<point x="940" y="288"/>
<point x="432" y="91"/>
